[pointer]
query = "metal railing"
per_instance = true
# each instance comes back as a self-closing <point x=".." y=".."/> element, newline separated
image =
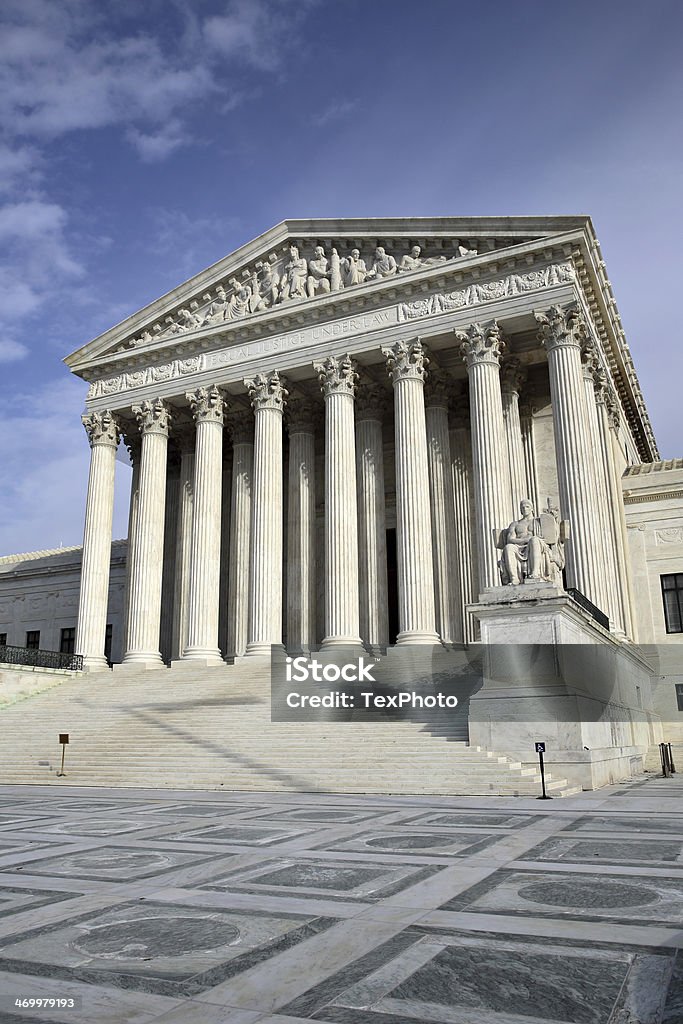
<point x="40" y="659"/>
<point x="589" y="607"/>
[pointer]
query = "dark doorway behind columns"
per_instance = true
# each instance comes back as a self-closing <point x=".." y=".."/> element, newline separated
<point x="392" y="586"/>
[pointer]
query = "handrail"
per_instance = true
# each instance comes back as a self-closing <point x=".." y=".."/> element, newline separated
<point x="40" y="659"/>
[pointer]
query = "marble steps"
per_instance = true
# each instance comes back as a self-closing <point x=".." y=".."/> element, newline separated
<point x="131" y="726"/>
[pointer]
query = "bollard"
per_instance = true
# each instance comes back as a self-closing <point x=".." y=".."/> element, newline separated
<point x="540" y="750"/>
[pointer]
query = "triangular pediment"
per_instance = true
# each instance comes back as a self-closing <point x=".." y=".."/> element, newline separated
<point x="304" y="260"/>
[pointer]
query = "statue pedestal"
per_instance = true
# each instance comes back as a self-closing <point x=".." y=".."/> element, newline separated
<point x="552" y="674"/>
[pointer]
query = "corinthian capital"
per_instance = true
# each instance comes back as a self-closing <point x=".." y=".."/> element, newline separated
<point x="267" y="391"/>
<point x="481" y="343"/>
<point x="101" y="428"/>
<point x="153" y="417"/>
<point x="206" y="404"/>
<point x="406" y="360"/>
<point x="337" y="376"/>
<point x="561" y="326"/>
<point x="512" y="376"/>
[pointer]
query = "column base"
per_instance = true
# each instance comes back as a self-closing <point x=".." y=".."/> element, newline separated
<point x="342" y="641"/>
<point x="201" y="654"/>
<point x="415" y="636"/>
<point x="256" y="649"/>
<point x="196" y="662"/>
<point x="140" y="663"/>
<point x="95" y="663"/>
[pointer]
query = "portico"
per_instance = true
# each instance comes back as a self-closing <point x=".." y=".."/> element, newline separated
<point x="306" y="421"/>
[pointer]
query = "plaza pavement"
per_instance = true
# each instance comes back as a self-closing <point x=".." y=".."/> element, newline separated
<point x="232" y="908"/>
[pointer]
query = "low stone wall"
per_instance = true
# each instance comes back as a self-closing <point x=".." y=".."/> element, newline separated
<point x="17" y="682"/>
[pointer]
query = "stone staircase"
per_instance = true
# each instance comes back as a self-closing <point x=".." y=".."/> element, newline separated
<point x="210" y="729"/>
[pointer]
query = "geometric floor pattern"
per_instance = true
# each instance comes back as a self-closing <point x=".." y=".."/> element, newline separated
<point x="144" y="906"/>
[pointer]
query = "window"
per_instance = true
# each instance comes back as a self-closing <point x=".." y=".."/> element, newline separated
<point x="672" y="594"/>
<point x="67" y="640"/>
<point x="3" y="639"/>
<point x="33" y="639"/>
<point x="679" y="696"/>
<point x="107" y="642"/>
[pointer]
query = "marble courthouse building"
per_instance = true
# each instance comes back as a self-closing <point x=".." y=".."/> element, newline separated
<point x="327" y="427"/>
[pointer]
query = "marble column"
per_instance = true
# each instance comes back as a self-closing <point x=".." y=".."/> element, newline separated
<point x="268" y="395"/>
<point x="338" y="378"/>
<point x="407" y="366"/>
<point x="526" y="422"/>
<point x="562" y="332"/>
<point x="205" y="556"/>
<point x="103" y="434"/>
<point x="438" y="390"/>
<point x="226" y="501"/>
<point x="170" y="553"/>
<point x="241" y="428"/>
<point x="482" y="346"/>
<point x="181" y="602"/>
<point x="300" y="421"/>
<point x="371" y="400"/>
<point x="142" y="640"/>
<point x="133" y="443"/>
<point x="608" y="425"/>
<point x="512" y="377"/>
<point x="607" y="579"/>
<point x="463" y="501"/>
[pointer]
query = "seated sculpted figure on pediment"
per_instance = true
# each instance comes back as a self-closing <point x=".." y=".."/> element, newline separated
<point x="533" y="547"/>
<point x="383" y="265"/>
<point x="318" y="274"/>
<point x="353" y="269"/>
<point x="293" y="284"/>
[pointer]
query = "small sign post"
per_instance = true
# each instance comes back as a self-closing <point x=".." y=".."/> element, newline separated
<point x="63" y="739"/>
<point x="540" y="750"/>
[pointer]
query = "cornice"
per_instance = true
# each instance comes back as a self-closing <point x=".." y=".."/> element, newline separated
<point x="631" y="498"/>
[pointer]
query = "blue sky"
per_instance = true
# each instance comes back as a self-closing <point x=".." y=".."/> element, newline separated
<point x="140" y="143"/>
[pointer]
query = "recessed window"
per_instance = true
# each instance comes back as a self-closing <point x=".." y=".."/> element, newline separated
<point x="3" y="639"/>
<point x="108" y="634"/>
<point x="672" y="594"/>
<point x="679" y="696"/>
<point x="67" y="640"/>
<point x="33" y="639"/>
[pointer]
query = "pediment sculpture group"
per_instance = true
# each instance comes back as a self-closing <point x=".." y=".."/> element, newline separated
<point x="297" y="278"/>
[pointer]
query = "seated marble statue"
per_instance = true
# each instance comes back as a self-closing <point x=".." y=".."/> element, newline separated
<point x="532" y="548"/>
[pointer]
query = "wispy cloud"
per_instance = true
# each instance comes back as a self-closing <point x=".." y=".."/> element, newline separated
<point x="334" y="112"/>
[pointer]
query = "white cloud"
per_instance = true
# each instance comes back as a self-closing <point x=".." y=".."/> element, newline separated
<point x="12" y="351"/>
<point x="335" y="112"/>
<point x="155" y="146"/>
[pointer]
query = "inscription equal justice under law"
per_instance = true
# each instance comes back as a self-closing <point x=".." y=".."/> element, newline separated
<point x="303" y="338"/>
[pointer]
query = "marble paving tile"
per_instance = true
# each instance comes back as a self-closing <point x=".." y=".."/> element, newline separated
<point x="320" y="814"/>
<point x="631" y="899"/>
<point x="633" y="852"/>
<point x="167" y="949"/>
<point x="116" y="864"/>
<point x="341" y="880"/>
<point x="413" y="841"/>
<point x="474" y="819"/>
<point x="240" y="835"/>
<point x="464" y="979"/>
<point x="605" y="823"/>
<point x="16" y="900"/>
<point x="200" y="810"/>
<point x="90" y="826"/>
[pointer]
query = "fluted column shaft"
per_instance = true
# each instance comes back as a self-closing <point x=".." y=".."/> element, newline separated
<point x="526" y="421"/>
<point x="342" y="608"/>
<point x="465" y="566"/>
<point x="103" y="434"/>
<point x="442" y="509"/>
<point x="413" y="517"/>
<point x="482" y="347"/>
<point x="226" y="501"/>
<point x="242" y="430"/>
<point x="607" y="579"/>
<point x="184" y="545"/>
<point x="562" y="332"/>
<point x="607" y="410"/>
<point x="142" y="640"/>
<point x="372" y="528"/>
<point x="170" y="555"/>
<point x="301" y="528"/>
<point x="133" y="444"/>
<point x="202" y="633"/>
<point x="265" y="570"/>
<point x="511" y="381"/>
